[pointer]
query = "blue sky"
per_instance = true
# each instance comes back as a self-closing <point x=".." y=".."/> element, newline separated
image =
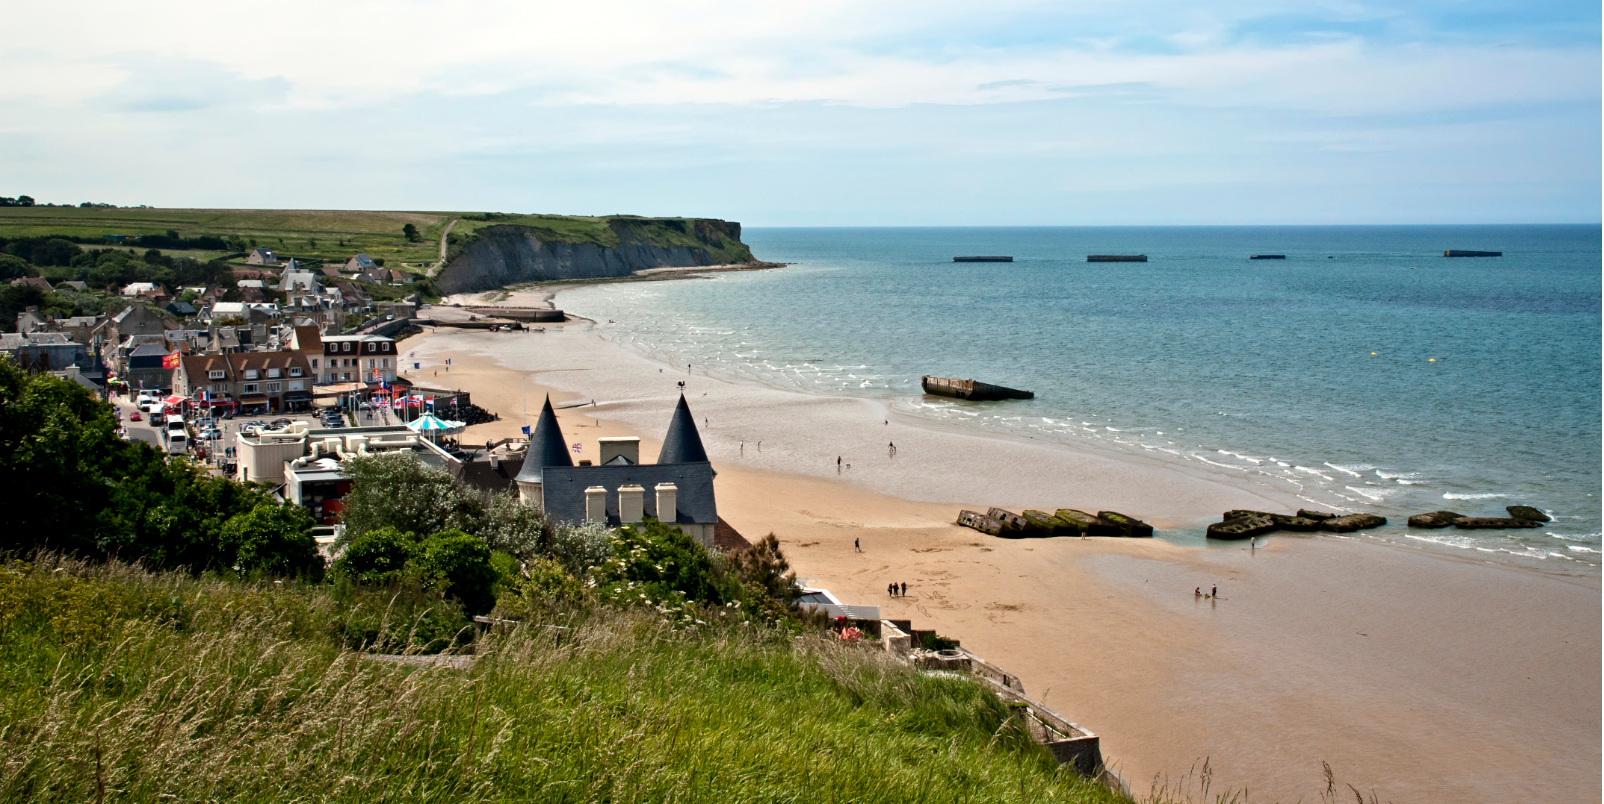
<point x="828" y="113"/>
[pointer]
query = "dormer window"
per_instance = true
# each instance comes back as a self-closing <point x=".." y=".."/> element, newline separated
<point x="272" y="374"/>
<point x="250" y="374"/>
<point x="347" y="346"/>
<point x="214" y="374"/>
<point x="387" y="346"/>
<point x="295" y="371"/>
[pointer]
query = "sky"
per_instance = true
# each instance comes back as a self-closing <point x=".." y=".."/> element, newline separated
<point x="827" y="113"/>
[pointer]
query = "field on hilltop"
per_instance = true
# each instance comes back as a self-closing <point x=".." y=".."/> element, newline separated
<point x="322" y="235"/>
<point x="333" y="235"/>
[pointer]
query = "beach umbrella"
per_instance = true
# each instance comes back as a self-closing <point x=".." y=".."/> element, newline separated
<point x="427" y="423"/>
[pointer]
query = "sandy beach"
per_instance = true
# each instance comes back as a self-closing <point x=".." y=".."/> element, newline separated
<point x="1417" y="674"/>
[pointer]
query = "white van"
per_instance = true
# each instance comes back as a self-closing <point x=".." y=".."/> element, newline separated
<point x="174" y="437"/>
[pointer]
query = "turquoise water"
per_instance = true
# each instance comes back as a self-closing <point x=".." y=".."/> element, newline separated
<point x="1365" y="371"/>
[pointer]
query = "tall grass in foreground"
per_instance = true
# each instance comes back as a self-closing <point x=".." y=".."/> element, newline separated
<point x="118" y="685"/>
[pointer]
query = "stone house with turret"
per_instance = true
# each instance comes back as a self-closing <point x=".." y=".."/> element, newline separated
<point x="676" y="490"/>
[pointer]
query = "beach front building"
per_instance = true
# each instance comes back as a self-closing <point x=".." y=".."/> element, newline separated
<point x="246" y="382"/>
<point x="309" y="463"/>
<point x="677" y="490"/>
<point x="358" y="358"/>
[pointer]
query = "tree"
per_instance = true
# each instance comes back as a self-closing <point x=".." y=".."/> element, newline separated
<point x="397" y="490"/>
<point x="24" y="201"/>
<point x="514" y="527"/>
<point x="13" y="267"/>
<point x="54" y="251"/>
<point x="275" y="538"/>
<point x="410" y="231"/>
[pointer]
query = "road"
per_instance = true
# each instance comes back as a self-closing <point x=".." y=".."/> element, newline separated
<point x="434" y="269"/>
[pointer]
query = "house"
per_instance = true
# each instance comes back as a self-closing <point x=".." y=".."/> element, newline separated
<point x="299" y="282"/>
<point x="265" y="382"/>
<point x="133" y="289"/>
<point x="30" y="320"/>
<point x="261" y="256"/>
<point x="81" y="328"/>
<point x="33" y="281"/>
<point x="181" y="309"/>
<point x="361" y="264"/>
<point x="330" y="271"/>
<point x="677" y="490"/>
<point x="73" y="284"/>
<point x="144" y="366"/>
<point x="250" y="283"/>
<point x="400" y="277"/>
<point x="358" y="358"/>
<point x="135" y="319"/>
<point x="44" y="351"/>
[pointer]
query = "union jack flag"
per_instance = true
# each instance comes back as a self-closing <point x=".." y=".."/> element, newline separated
<point x="578" y="447"/>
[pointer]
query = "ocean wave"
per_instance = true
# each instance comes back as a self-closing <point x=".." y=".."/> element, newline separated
<point x="1355" y="470"/>
<point x="1452" y="496"/>
<point x="1580" y="549"/>
<point x="1373" y="495"/>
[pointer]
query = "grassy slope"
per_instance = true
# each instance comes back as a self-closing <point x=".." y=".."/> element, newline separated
<point x="164" y="688"/>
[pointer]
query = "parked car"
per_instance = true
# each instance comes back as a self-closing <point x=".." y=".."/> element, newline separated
<point x="282" y="422"/>
<point x="134" y="417"/>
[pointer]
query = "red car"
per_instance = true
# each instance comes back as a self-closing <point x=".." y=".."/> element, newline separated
<point x="134" y="417"/>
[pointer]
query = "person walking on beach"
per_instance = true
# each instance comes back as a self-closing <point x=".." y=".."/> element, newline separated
<point x="1197" y="593"/>
<point x="904" y="589"/>
<point x="891" y="590"/>
<point x="891" y="448"/>
<point x="743" y="447"/>
<point x="857" y="546"/>
<point x="838" y="464"/>
<point x="1214" y="591"/>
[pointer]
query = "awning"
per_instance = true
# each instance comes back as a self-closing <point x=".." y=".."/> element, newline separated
<point x="253" y="399"/>
<point x="336" y="390"/>
<point x="298" y="395"/>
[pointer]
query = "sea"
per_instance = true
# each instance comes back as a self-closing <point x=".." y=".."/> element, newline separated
<point x="1364" y="372"/>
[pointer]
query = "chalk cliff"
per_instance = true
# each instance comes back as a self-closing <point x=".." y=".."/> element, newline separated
<point x="501" y="254"/>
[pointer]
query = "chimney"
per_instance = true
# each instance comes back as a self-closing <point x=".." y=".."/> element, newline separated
<point x="628" y="448"/>
<point x="631" y="500"/>
<point x="668" y="502"/>
<point x="596" y="504"/>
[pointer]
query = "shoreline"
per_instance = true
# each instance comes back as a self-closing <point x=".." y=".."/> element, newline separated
<point x="1082" y="621"/>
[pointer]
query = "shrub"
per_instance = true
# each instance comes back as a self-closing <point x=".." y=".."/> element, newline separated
<point x="463" y="562"/>
<point x="659" y="565"/>
<point x="513" y="526"/>
<point x="377" y="556"/>
<point x="274" y="538"/>
<point x="398" y="491"/>
<point x="580" y="547"/>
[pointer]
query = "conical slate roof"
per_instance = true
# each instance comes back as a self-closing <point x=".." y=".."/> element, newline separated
<point x="682" y="444"/>
<point x="546" y="447"/>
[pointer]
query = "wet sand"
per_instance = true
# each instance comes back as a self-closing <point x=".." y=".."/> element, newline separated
<point x="1417" y="674"/>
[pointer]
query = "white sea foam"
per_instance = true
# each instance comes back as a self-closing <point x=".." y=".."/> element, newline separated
<point x="1373" y="495"/>
<point x="1452" y="496"/>
<point x="1355" y="471"/>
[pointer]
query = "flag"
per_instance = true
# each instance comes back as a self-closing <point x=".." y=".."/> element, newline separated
<point x="526" y="429"/>
<point x="578" y="447"/>
<point x="170" y="361"/>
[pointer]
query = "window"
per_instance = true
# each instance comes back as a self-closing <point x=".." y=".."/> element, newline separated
<point x="314" y="364"/>
<point x="387" y="346"/>
<point x="272" y="373"/>
<point x="347" y="376"/>
<point x="387" y="362"/>
<point x="274" y="387"/>
<point x="346" y="347"/>
<point x="215" y="374"/>
<point x="250" y="374"/>
<point x="251" y="388"/>
<point x="295" y="371"/>
<point x="297" y="386"/>
<point x="370" y="363"/>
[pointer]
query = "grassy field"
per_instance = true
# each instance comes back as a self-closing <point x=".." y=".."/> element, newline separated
<point x="118" y="685"/>
<point x="329" y="235"/>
